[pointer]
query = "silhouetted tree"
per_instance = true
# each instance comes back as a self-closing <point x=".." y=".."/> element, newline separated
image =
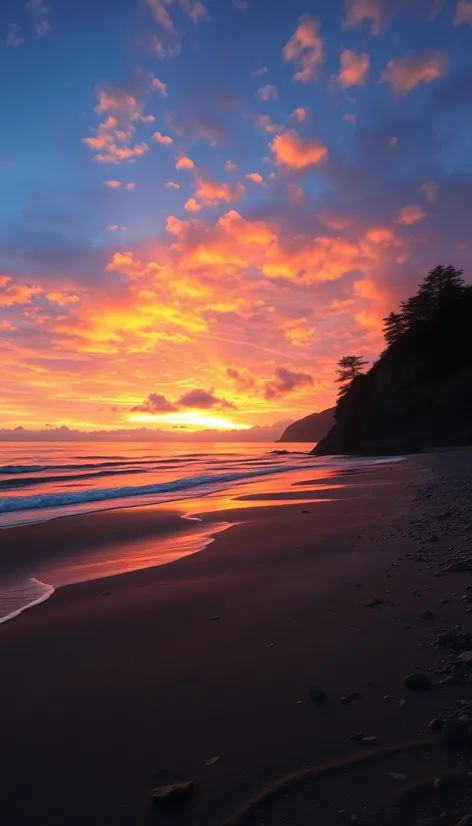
<point x="394" y="326"/>
<point x="349" y="368"/>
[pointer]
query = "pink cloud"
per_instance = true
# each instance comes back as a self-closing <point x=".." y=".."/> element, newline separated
<point x="354" y="68"/>
<point x="14" y="37"/>
<point x="184" y="163"/>
<point x="286" y="381"/>
<point x="11" y="293"/>
<point x="350" y="117"/>
<point x="39" y="12"/>
<point x="430" y="190"/>
<point x="211" y="192"/>
<point x="406" y="73"/>
<point x="172" y="185"/>
<point x="268" y="93"/>
<point x="295" y="152"/>
<point x="165" y="140"/>
<point x="300" y="114"/>
<point x="116" y="228"/>
<point x="230" y="166"/>
<point x="410" y="214"/>
<point x="266" y="123"/>
<point x="360" y="10"/>
<point x="114" y="135"/>
<point x="305" y="50"/>
<point x="192" y="205"/>
<point x="159" y="86"/>
<point x="62" y="298"/>
<point x="463" y="13"/>
<point x="113" y="184"/>
<point x="259" y="72"/>
<point x="130" y="186"/>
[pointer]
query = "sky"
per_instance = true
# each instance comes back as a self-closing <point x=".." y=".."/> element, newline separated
<point x="204" y="204"/>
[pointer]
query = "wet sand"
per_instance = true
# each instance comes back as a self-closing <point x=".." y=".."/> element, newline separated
<point x="118" y="685"/>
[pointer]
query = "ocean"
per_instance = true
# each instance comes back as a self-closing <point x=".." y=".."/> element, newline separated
<point x="43" y="481"/>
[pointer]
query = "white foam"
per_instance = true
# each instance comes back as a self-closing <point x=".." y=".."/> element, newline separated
<point x="19" y="596"/>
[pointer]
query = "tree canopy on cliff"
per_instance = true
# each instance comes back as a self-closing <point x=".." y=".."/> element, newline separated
<point x="349" y="368"/>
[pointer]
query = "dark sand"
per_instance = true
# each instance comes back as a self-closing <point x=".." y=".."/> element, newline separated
<point x="104" y="697"/>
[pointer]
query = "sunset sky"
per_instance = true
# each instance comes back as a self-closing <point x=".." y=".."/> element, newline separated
<point x="205" y="204"/>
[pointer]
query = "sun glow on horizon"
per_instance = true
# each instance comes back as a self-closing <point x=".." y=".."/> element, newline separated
<point x="189" y="419"/>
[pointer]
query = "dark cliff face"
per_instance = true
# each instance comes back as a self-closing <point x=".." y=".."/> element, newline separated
<point x="418" y="395"/>
<point x="311" y="428"/>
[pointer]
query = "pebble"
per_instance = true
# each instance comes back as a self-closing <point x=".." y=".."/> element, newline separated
<point x="418" y="681"/>
<point x="398" y="776"/>
<point x="435" y="725"/>
<point x="466" y="657"/>
<point x="211" y="761"/>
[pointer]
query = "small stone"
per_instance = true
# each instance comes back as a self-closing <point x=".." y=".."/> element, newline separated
<point x="387" y="697"/>
<point x="435" y="725"/>
<point x="175" y="793"/>
<point x="437" y="782"/>
<point x="466" y="657"/>
<point x="402" y="703"/>
<point x="433" y="538"/>
<point x="397" y="776"/>
<point x="357" y="737"/>
<point x="305" y="511"/>
<point x="374" y="603"/>
<point x="369" y="740"/>
<point x="216" y="617"/>
<point x="106" y="594"/>
<point x="351" y="698"/>
<point x="317" y="695"/>
<point x="465" y="821"/>
<point x="418" y="681"/>
<point x="211" y="761"/>
<point x="427" y="615"/>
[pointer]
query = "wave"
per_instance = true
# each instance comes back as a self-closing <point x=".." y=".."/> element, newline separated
<point x="24" y="482"/>
<point x="57" y="500"/>
<point x="18" y="469"/>
<point x="16" y="598"/>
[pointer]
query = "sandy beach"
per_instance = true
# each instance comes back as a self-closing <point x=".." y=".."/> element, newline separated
<point x="116" y="686"/>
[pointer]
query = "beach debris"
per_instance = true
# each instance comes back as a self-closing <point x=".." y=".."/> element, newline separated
<point x="351" y="698"/>
<point x="216" y="617"/>
<point x="317" y="695"/>
<point x="212" y="761"/>
<point x="106" y="594"/>
<point x="175" y="793"/>
<point x="435" y="725"/>
<point x="387" y="697"/>
<point x="397" y="776"/>
<point x="304" y="511"/>
<point x="418" y="681"/>
<point x="369" y="740"/>
<point x="375" y="603"/>
<point x="427" y="615"/>
<point x="466" y="657"/>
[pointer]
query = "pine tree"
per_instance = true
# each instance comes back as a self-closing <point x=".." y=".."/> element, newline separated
<point x="349" y="368"/>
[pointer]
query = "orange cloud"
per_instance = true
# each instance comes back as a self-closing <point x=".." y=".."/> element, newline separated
<point x="430" y="191"/>
<point x="113" y="184"/>
<point x="300" y="114"/>
<point x="295" y="152"/>
<point x="61" y="298"/>
<point x="165" y="140"/>
<point x="158" y="86"/>
<point x="286" y="381"/>
<point x="211" y="192"/>
<point x="184" y="163"/>
<point x="406" y="73"/>
<point x="410" y="214"/>
<point x="298" y="331"/>
<point x="11" y="293"/>
<point x="255" y="178"/>
<point x="354" y="68"/>
<point x="267" y="93"/>
<point x="192" y="205"/>
<point x="305" y="49"/>
<point x="463" y="13"/>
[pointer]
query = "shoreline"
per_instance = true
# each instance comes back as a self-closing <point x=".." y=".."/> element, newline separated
<point x="214" y="655"/>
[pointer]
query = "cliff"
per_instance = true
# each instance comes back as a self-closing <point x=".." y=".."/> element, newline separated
<point x="419" y="393"/>
<point x="311" y="428"/>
